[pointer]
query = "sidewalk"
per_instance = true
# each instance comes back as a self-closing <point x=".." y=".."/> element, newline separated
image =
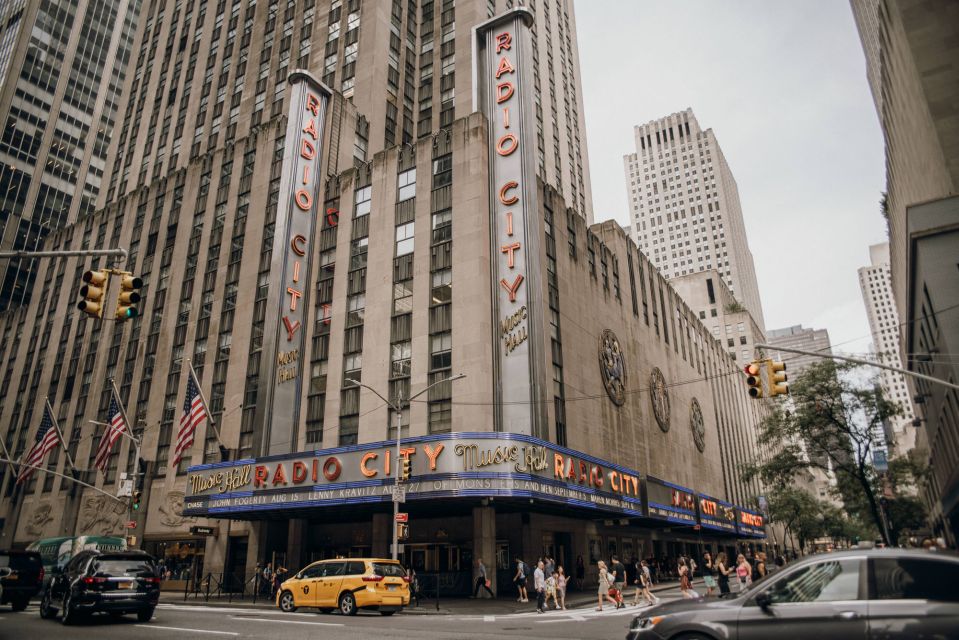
<point x="447" y="606"/>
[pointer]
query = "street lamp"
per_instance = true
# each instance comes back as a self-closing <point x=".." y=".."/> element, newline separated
<point x="397" y="408"/>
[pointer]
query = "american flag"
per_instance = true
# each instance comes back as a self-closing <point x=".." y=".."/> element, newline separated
<point x="47" y="439"/>
<point x="194" y="413"/>
<point x="114" y="430"/>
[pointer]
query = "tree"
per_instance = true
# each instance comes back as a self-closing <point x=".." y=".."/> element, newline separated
<point x="797" y="510"/>
<point x="829" y="425"/>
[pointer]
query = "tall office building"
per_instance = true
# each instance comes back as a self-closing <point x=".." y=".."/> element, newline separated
<point x="684" y="206"/>
<point x="797" y="337"/>
<point x="912" y="62"/>
<point x="884" y="324"/>
<point x="62" y="68"/>
<point x="207" y="76"/>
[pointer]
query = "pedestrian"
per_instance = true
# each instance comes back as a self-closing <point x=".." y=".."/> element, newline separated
<point x="414" y="585"/>
<point x="520" y="580"/>
<point x="709" y="573"/>
<point x="580" y="573"/>
<point x="691" y="562"/>
<point x="605" y="586"/>
<point x="645" y="582"/>
<point x="744" y="573"/>
<point x="561" y="587"/>
<point x="685" y="584"/>
<point x="480" y="580"/>
<point x="619" y="580"/>
<point x="266" y="582"/>
<point x="550" y="564"/>
<point x="551" y="591"/>
<point x="278" y="577"/>
<point x="759" y="569"/>
<point x="722" y="576"/>
<point x="539" y="584"/>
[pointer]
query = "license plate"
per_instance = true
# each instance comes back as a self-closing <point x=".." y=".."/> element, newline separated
<point x="124" y="585"/>
<point x="391" y="587"/>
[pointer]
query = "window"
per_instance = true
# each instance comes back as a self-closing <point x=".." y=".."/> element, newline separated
<point x="358" y="253"/>
<point x="362" y="199"/>
<point x="402" y="297"/>
<point x="406" y="183"/>
<point x="442" y="171"/>
<point x="400" y="359"/>
<point x="442" y="286"/>
<point x="356" y="306"/>
<point x="441" y="346"/>
<point x="404" y="239"/>
<point x="442" y="226"/>
<point x="822" y="582"/>
<point x="913" y="579"/>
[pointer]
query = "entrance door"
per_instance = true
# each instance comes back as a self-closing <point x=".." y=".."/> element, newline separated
<point x="563" y="553"/>
<point x="233" y="577"/>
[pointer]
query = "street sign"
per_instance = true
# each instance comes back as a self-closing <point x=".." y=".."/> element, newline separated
<point x="402" y="517"/>
<point x="203" y="531"/>
<point x="125" y="490"/>
<point x="132" y="524"/>
<point x="399" y="494"/>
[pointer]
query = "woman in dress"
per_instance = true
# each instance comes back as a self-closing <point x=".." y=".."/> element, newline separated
<point x="744" y="573"/>
<point x="685" y="584"/>
<point x="561" y="587"/>
<point x="722" y="575"/>
<point x="604" y="586"/>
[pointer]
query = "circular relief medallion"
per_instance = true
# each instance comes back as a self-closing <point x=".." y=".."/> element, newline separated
<point x="697" y="426"/>
<point x="612" y="366"/>
<point x="659" y="395"/>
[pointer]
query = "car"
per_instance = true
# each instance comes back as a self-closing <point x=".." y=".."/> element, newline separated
<point x="347" y="584"/>
<point x="94" y="581"/>
<point x="23" y="579"/>
<point x="867" y="594"/>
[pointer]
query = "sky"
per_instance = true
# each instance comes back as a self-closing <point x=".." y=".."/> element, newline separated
<point x="783" y="86"/>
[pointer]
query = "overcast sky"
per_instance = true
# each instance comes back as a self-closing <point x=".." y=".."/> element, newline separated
<point x="783" y="86"/>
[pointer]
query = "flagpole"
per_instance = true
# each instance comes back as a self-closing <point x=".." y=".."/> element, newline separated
<point x="63" y="444"/>
<point x="206" y="407"/>
<point x="6" y="454"/>
<point x="123" y="412"/>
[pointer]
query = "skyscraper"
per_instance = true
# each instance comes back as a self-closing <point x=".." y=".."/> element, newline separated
<point x="684" y="206"/>
<point x="62" y="67"/>
<point x="797" y="337"/>
<point x="877" y="295"/>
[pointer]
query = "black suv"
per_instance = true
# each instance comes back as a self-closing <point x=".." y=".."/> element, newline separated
<point x="96" y="581"/>
<point x="24" y="579"/>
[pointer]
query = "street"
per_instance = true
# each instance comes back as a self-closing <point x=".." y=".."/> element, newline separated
<point x="245" y="622"/>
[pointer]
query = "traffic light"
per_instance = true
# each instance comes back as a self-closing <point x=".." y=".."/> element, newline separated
<point x="93" y="292"/>
<point x="753" y="379"/>
<point x="128" y="296"/>
<point x="402" y="531"/>
<point x="406" y="469"/>
<point x="777" y="378"/>
<point x="135" y="499"/>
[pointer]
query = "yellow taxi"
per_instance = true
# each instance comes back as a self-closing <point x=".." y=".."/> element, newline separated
<point x="347" y="584"/>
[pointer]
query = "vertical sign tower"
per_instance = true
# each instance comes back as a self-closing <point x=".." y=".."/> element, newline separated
<point x="280" y="391"/>
<point x="503" y="89"/>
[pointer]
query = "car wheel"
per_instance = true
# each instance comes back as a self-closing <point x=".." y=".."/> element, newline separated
<point x="145" y="615"/>
<point x="67" y="614"/>
<point x="348" y="604"/>
<point x="287" y="603"/>
<point x="19" y="604"/>
<point x="387" y="613"/>
<point x="47" y="609"/>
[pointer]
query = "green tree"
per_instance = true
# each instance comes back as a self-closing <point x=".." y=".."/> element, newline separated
<point x="798" y="511"/>
<point x="828" y="425"/>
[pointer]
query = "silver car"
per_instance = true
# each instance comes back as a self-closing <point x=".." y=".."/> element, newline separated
<point x="876" y="594"/>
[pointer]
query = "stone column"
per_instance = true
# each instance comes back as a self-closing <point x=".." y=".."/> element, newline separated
<point x="382" y="535"/>
<point x="296" y="545"/>
<point x="484" y="540"/>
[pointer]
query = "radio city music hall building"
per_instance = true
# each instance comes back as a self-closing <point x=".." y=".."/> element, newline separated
<point x="597" y="414"/>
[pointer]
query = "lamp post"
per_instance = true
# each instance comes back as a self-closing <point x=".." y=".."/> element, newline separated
<point x="397" y="407"/>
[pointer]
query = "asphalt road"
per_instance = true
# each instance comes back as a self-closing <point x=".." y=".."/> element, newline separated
<point x="226" y="623"/>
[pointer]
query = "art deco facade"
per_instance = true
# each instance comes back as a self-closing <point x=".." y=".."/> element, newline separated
<point x="684" y="206"/>
<point x="62" y="68"/>
<point x="400" y="297"/>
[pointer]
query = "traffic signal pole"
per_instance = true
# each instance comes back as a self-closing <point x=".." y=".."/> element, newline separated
<point x="119" y="253"/>
<point x="868" y="363"/>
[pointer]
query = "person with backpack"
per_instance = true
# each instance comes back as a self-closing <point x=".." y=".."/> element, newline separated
<point x="520" y="580"/>
<point x="619" y="580"/>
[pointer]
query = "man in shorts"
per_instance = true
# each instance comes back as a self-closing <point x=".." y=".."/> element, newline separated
<point x="520" y="580"/>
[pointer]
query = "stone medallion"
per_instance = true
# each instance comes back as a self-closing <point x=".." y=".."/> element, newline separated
<point x="612" y="366"/>
<point x="697" y="425"/>
<point x="659" y="395"/>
